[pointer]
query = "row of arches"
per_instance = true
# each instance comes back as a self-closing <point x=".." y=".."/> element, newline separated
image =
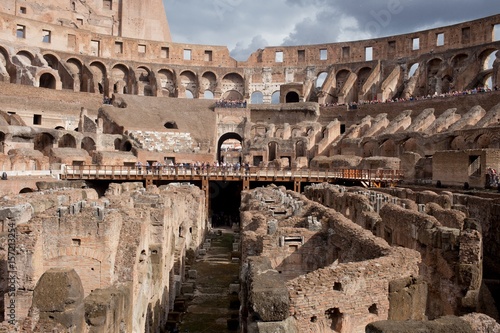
<point x="458" y="142"/>
<point x="97" y="77"/>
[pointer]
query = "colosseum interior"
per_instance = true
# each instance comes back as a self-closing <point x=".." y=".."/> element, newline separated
<point x="153" y="186"/>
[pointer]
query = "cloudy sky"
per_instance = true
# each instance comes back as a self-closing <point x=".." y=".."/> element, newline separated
<point x="247" y="25"/>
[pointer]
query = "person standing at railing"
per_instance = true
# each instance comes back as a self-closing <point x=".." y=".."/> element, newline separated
<point x="138" y="166"/>
<point x="148" y="167"/>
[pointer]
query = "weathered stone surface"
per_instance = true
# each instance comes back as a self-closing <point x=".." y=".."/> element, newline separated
<point x="58" y="296"/>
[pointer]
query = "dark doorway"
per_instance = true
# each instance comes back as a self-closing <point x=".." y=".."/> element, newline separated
<point x="292" y="97"/>
<point x="229" y="148"/>
<point x="225" y="199"/>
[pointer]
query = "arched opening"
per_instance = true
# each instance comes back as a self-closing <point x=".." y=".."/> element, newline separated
<point x="171" y="125"/>
<point x="488" y="58"/>
<point x="43" y="142"/>
<point x="52" y="61"/>
<point x="59" y="128"/>
<point x="207" y="94"/>
<point x="320" y="80"/>
<point x="76" y="81"/>
<point x="119" y="77"/>
<point x="229" y="148"/>
<point x="47" y="80"/>
<point x="300" y="149"/>
<point x="232" y="95"/>
<point x="67" y="141"/>
<point x="433" y="81"/>
<point x="143" y="80"/>
<point x="341" y="78"/>
<point x="208" y="82"/>
<point x="26" y="190"/>
<point x="25" y="57"/>
<point x="273" y="151"/>
<point x="275" y="97"/>
<point x="167" y="82"/>
<point x="413" y="69"/>
<point x="292" y="97"/>
<point x="189" y="82"/>
<point x="257" y="97"/>
<point x="118" y="144"/>
<point x="2" y="142"/>
<point x="233" y="82"/>
<point x="88" y="144"/>
<point x="96" y="82"/>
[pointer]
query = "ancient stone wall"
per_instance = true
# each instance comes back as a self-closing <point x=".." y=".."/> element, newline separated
<point x="322" y="258"/>
<point x="450" y="250"/>
<point x="133" y="241"/>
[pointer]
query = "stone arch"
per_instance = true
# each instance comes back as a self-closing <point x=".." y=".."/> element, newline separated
<point x="458" y="143"/>
<point x="298" y="131"/>
<point x="225" y="137"/>
<point x="67" y="141"/>
<point x="43" y="142"/>
<point x="486" y="58"/>
<point x="341" y="78"/>
<point x="433" y="81"/>
<point x="208" y="82"/>
<point x="4" y="57"/>
<point x="233" y="82"/>
<point x="320" y="79"/>
<point x="97" y="83"/>
<point x="280" y="133"/>
<point x="459" y="61"/>
<point x="143" y="78"/>
<point x="257" y="97"/>
<point x="272" y="150"/>
<point x="127" y="145"/>
<point x="120" y="78"/>
<point x="363" y="75"/>
<point x="300" y="148"/>
<point x="47" y="80"/>
<point x="189" y="82"/>
<point x="258" y="130"/>
<point x="166" y="80"/>
<point x="74" y="81"/>
<point x="52" y="60"/>
<point x="412" y="69"/>
<point x="26" y="190"/>
<point x="292" y="97"/>
<point x="412" y="145"/>
<point x="85" y="261"/>
<point x="232" y="95"/>
<point x="482" y="141"/>
<point x="369" y="149"/>
<point x="2" y="142"/>
<point x="25" y="57"/>
<point x="88" y="144"/>
<point x="118" y="144"/>
<point x="388" y="148"/>
<point x="170" y="125"/>
<point x="275" y="97"/>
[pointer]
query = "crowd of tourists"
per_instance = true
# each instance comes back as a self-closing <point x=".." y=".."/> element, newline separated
<point x="196" y="167"/>
<point x="222" y="103"/>
<point x="455" y="93"/>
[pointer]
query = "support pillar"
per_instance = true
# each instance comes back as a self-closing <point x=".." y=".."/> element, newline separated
<point x="296" y="186"/>
<point x="205" y="186"/>
<point x="246" y="184"/>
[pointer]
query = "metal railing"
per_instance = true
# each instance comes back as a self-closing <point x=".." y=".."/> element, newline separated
<point x="120" y="172"/>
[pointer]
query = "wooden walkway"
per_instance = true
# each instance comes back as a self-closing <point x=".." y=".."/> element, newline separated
<point x="253" y="174"/>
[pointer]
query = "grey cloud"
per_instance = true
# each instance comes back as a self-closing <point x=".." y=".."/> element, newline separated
<point x="241" y="53"/>
<point x="299" y="22"/>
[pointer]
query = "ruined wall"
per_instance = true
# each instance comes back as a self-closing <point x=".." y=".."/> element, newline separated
<point x="450" y="250"/>
<point x="322" y="258"/>
<point x="132" y="241"/>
